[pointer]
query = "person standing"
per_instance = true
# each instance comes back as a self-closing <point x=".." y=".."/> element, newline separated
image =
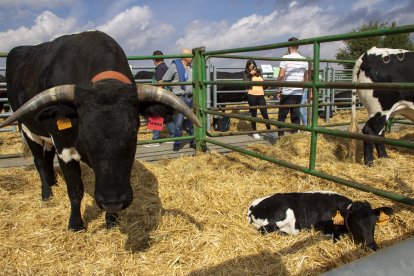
<point x="160" y="69"/>
<point x="291" y="71"/>
<point x="181" y="71"/>
<point x="255" y="94"/>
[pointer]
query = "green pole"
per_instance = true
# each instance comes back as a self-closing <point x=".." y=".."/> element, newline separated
<point x="315" y="93"/>
<point x="203" y="115"/>
<point x="198" y="96"/>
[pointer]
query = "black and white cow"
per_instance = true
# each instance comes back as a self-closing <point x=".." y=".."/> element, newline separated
<point x="76" y="96"/>
<point x="381" y="65"/>
<point x="329" y="212"/>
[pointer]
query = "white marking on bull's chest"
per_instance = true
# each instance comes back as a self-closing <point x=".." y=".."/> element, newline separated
<point x="45" y="142"/>
<point x="69" y="154"/>
<point x="288" y="224"/>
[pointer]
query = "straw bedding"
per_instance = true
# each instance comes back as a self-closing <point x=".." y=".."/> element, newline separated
<point x="189" y="216"/>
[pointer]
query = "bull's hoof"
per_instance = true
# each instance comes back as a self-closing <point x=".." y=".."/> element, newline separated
<point x="53" y="183"/>
<point x="111" y="220"/>
<point x="47" y="194"/>
<point x="369" y="163"/>
<point x="76" y="227"/>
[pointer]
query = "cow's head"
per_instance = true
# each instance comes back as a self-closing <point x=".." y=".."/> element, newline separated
<point x="107" y="115"/>
<point x="361" y="220"/>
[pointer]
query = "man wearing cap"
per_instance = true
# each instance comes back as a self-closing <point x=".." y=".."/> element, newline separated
<point x="181" y="71"/>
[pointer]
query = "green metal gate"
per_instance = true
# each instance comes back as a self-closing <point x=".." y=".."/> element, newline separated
<point x="200" y="83"/>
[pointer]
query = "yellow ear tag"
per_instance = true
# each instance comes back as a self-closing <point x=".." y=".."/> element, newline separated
<point x="383" y="218"/>
<point x="338" y="219"/>
<point x="63" y="123"/>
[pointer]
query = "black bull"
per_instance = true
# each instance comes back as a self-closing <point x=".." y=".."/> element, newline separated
<point x="88" y="111"/>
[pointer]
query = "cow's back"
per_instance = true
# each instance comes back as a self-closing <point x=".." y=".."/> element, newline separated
<point x="383" y="65"/>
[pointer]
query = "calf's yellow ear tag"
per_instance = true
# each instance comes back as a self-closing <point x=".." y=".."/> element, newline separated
<point x="338" y="219"/>
<point x="64" y="123"/>
<point x="383" y="218"/>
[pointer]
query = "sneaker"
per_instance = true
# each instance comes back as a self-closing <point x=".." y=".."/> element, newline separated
<point x="256" y="136"/>
<point x="271" y="135"/>
<point x="153" y="145"/>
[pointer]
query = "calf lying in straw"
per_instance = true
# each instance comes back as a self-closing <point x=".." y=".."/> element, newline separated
<point x="329" y="212"/>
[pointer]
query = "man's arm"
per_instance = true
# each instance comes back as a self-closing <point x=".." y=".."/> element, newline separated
<point x="308" y="77"/>
<point x="281" y="76"/>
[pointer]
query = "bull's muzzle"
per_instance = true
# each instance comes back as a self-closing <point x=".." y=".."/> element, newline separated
<point x="112" y="207"/>
<point x="113" y="204"/>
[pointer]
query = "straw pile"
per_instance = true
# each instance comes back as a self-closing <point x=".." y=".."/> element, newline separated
<point x="189" y="216"/>
<point x="10" y="143"/>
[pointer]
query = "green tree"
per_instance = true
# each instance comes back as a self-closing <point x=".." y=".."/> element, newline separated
<point x="355" y="48"/>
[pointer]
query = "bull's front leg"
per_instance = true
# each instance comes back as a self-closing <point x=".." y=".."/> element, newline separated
<point x="72" y="173"/>
<point x="43" y="155"/>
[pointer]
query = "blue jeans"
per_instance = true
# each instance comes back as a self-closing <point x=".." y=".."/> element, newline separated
<point x="180" y="123"/>
<point x="170" y="127"/>
<point x="303" y="110"/>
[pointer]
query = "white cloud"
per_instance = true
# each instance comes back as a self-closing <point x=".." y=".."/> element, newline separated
<point x="253" y="30"/>
<point x="46" y="26"/>
<point x="365" y="4"/>
<point x="136" y="29"/>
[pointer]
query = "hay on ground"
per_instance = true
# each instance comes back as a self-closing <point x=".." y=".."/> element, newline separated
<point x="189" y="216"/>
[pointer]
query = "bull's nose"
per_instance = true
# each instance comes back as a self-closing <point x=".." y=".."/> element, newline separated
<point x="112" y="207"/>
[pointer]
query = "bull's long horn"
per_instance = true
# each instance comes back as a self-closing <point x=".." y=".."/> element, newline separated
<point x="57" y="94"/>
<point x="148" y="93"/>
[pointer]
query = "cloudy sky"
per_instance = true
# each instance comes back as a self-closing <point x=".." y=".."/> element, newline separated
<point x="143" y="26"/>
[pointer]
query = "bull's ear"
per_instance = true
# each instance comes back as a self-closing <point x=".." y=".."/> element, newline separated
<point x="55" y="111"/>
<point x="57" y="117"/>
<point x="383" y="214"/>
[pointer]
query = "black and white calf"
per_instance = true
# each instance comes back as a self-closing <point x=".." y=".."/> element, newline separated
<point x="382" y="65"/>
<point x="329" y="212"/>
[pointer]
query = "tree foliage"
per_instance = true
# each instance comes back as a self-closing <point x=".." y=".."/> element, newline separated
<point x="355" y="48"/>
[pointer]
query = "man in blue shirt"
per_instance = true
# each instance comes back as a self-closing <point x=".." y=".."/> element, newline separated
<point x="181" y="71"/>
